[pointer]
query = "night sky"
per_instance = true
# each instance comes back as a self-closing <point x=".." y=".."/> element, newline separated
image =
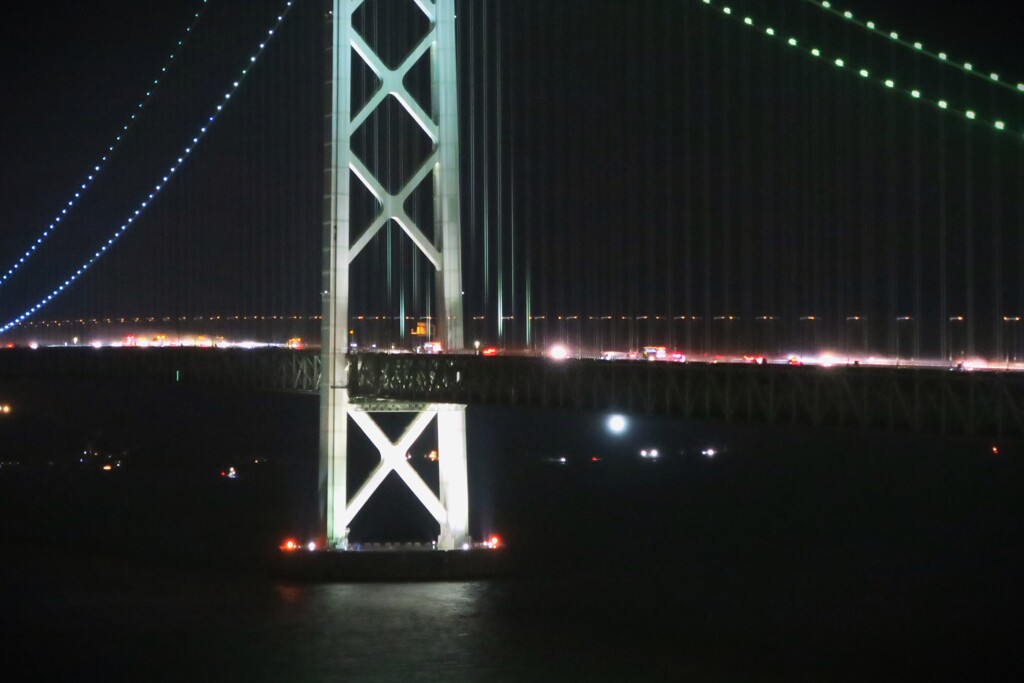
<point x="659" y="160"/>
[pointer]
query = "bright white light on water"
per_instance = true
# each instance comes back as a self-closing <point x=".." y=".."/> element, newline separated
<point x="616" y="424"/>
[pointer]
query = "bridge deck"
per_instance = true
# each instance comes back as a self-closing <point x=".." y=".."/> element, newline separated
<point x="917" y="400"/>
<point x="259" y="369"/>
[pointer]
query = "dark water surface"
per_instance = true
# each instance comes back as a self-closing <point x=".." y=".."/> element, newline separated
<point x="788" y="555"/>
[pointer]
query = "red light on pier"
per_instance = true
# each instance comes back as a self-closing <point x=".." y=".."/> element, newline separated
<point x="290" y="545"/>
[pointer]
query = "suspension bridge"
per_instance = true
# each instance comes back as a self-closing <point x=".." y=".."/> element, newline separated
<point x="850" y="209"/>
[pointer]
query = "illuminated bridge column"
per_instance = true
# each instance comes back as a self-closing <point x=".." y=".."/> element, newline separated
<point x="450" y="507"/>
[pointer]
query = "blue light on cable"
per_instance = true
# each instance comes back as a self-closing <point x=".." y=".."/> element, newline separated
<point x="156" y="191"/>
<point x="110" y="150"/>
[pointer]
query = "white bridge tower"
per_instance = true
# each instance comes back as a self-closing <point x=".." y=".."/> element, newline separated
<point x="344" y="242"/>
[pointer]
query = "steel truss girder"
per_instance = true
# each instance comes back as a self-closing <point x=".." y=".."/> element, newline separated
<point x="926" y="401"/>
<point x="919" y="400"/>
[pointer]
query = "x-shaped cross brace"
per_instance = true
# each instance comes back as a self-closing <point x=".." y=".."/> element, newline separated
<point x="392" y="82"/>
<point x="392" y="458"/>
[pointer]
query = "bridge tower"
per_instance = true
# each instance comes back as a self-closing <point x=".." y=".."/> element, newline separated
<point x="450" y="506"/>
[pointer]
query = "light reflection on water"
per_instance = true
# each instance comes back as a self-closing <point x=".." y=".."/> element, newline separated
<point x="400" y="631"/>
<point x="105" y="616"/>
<point x="117" y="618"/>
<point x="788" y="554"/>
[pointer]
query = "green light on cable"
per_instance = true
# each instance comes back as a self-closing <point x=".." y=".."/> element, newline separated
<point x="916" y="94"/>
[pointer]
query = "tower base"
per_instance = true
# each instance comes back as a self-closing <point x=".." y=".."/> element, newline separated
<point x="397" y="563"/>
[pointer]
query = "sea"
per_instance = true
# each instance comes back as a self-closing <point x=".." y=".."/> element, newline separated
<point x="736" y="553"/>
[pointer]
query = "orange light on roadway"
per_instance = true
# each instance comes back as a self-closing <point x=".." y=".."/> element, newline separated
<point x="289" y="545"/>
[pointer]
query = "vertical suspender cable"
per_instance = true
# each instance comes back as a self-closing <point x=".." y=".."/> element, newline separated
<point x="996" y="295"/>
<point x="915" y="326"/>
<point x="706" y="159"/>
<point x="688" y="261"/>
<point x="470" y="61"/>
<point x="499" y="239"/>
<point x="969" y="285"/>
<point x="486" y="176"/>
<point x="945" y="341"/>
